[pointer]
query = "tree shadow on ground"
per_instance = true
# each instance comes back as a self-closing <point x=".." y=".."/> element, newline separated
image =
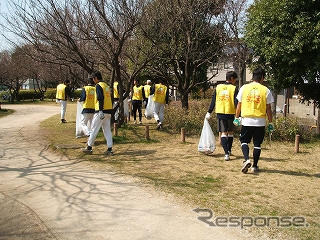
<point x="291" y="173"/>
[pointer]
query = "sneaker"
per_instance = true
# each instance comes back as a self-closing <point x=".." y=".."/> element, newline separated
<point x="135" y="122"/>
<point x="226" y="157"/>
<point x="140" y="122"/>
<point x="246" y="166"/>
<point x="230" y="153"/>
<point x="159" y="126"/>
<point x="87" y="150"/>
<point x="63" y="121"/>
<point x="255" y="169"/>
<point x="108" y="153"/>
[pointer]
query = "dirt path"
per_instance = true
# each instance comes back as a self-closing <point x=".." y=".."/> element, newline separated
<point x="46" y="196"/>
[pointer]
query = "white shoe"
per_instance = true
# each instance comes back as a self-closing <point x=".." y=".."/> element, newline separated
<point x="246" y="166"/>
<point x="140" y="122"/>
<point x="135" y="122"/>
<point x="226" y="157"/>
<point x="255" y="169"/>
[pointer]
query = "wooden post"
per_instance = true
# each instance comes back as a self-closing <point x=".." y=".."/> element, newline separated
<point x="115" y="129"/>
<point x="183" y="135"/>
<point x="318" y="122"/>
<point x="297" y="142"/>
<point x="147" y="135"/>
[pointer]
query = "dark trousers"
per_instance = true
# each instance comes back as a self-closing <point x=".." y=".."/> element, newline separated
<point x="257" y="135"/>
<point x="137" y="105"/>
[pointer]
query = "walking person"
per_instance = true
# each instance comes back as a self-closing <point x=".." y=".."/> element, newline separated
<point x="224" y="101"/>
<point x="87" y="97"/>
<point x="62" y="94"/>
<point x="254" y="104"/>
<point x="102" y="115"/>
<point x="147" y="89"/>
<point x="137" y="97"/>
<point x="161" y="97"/>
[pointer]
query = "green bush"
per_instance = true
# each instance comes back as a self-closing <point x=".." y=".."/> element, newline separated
<point x="4" y="96"/>
<point x="50" y="93"/>
<point x="29" y="95"/>
<point x="192" y="120"/>
<point x="287" y="128"/>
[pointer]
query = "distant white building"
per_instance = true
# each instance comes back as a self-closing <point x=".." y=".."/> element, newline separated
<point x="29" y="84"/>
<point x="217" y="73"/>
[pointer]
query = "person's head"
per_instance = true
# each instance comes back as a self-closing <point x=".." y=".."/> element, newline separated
<point x="90" y="81"/>
<point x="66" y="82"/>
<point x="135" y="83"/>
<point x="96" y="76"/>
<point x="231" y="76"/>
<point x="258" y="74"/>
<point x="148" y="82"/>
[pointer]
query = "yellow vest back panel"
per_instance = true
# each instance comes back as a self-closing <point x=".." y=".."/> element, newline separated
<point x="160" y="93"/>
<point x="90" y="93"/>
<point x="107" y="104"/>
<point x="61" y="91"/>
<point x="225" y="99"/>
<point x="147" y="90"/>
<point x="254" y="101"/>
<point x="137" y="93"/>
<point x="115" y="90"/>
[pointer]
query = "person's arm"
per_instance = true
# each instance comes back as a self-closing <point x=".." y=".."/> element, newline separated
<point x="213" y="103"/>
<point x="235" y="97"/>
<point x="167" y="96"/>
<point x="269" y="113"/>
<point x="143" y="95"/>
<point x="152" y="90"/>
<point x="82" y="95"/>
<point x="68" y="92"/>
<point x="238" y="110"/>
<point x="100" y="97"/>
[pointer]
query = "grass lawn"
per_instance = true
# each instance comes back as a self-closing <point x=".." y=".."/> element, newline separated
<point x="288" y="184"/>
<point x="5" y="112"/>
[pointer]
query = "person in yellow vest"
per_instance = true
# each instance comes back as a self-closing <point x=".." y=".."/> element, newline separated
<point x="147" y="89"/>
<point x="160" y="98"/>
<point x="102" y="115"/>
<point x="63" y="92"/>
<point x="87" y="97"/>
<point x="225" y="102"/>
<point x="116" y="97"/>
<point x="254" y="104"/>
<point x="137" y="97"/>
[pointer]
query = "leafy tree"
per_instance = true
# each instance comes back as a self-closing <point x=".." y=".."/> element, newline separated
<point x="285" y="36"/>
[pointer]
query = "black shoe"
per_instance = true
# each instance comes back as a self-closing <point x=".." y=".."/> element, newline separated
<point x="108" y="152"/>
<point x="87" y="150"/>
<point x="63" y="121"/>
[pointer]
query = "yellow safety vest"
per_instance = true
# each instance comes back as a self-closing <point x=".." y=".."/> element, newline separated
<point x="61" y="91"/>
<point x="160" y="93"/>
<point x="107" y="104"/>
<point x="147" y="90"/>
<point x="115" y="90"/>
<point x="225" y="99"/>
<point x="137" y="93"/>
<point x="254" y="100"/>
<point x="90" y="92"/>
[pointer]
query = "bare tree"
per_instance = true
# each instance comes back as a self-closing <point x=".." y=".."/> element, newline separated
<point x="234" y="18"/>
<point x="188" y="37"/>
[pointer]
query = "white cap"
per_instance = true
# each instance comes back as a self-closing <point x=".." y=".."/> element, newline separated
<point x="148" y="81"/>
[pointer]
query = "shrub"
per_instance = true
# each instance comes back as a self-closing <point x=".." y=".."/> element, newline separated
<point x="192" y="120"/>
<point x="50" y="93"/>
<point x="29" y="94"/>
<point x="287" y="128"/>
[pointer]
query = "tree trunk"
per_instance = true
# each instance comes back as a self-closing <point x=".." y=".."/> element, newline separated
<point x="241" y="77"/>
<point x="185" y="100"/>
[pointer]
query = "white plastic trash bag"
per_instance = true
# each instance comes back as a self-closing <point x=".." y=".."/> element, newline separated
<point x="79" y="131"/>
<point x="207" y="142"/>
<point x="126" y="107"/>
<point x="148" y="113"/>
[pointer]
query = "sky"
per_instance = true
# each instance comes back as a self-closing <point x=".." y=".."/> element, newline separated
<point x="4" y="45"/>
